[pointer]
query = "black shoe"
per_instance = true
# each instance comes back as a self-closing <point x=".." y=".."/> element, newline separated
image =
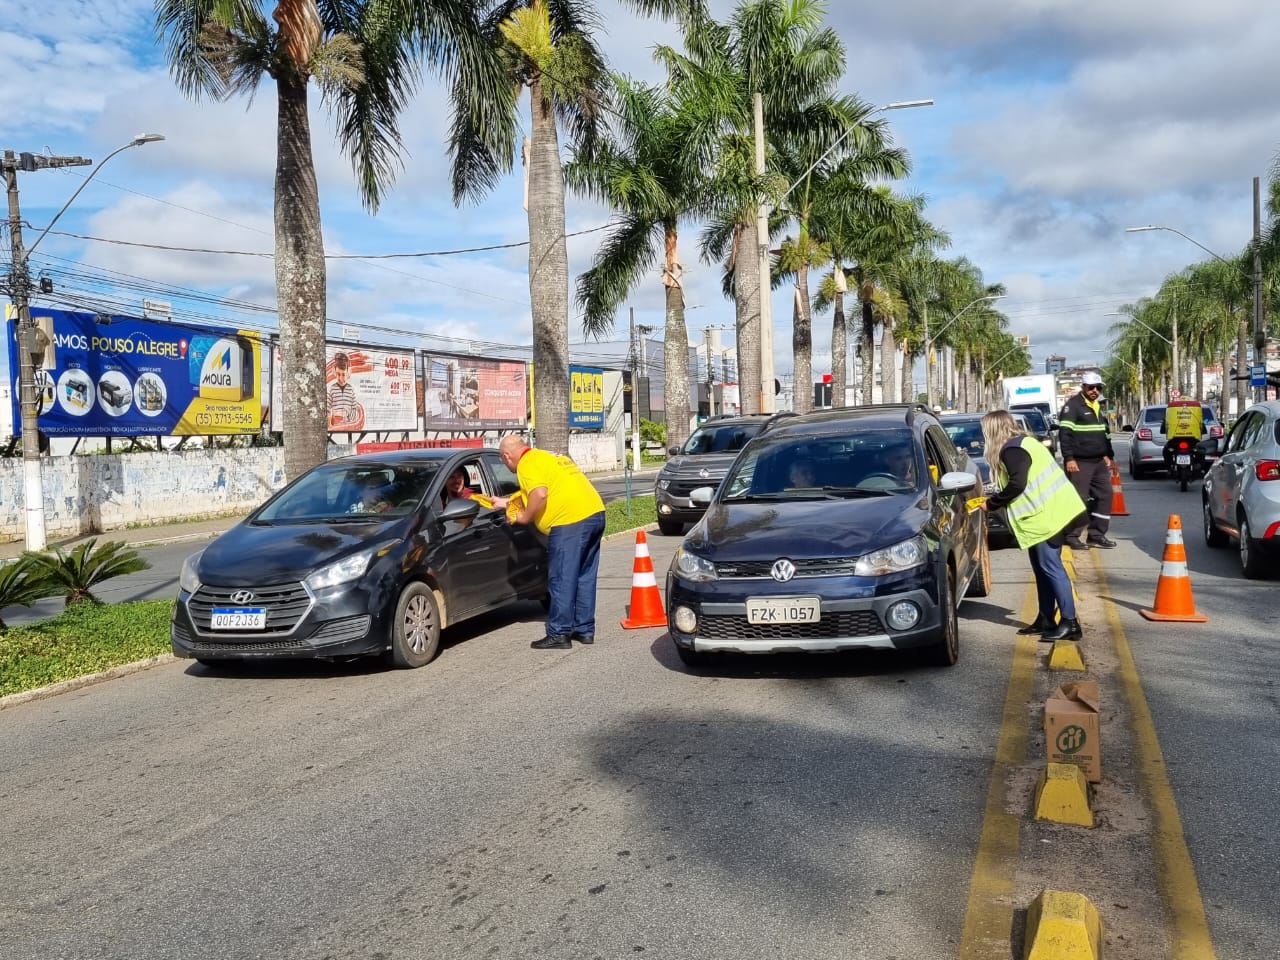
<point x="586" y="638"/>
<point x="1076" y="544"/>
<point x="1101" y="542"/>
<point x="1067" y="629"/>
<point x="552" y="643"/>
<point x="1041" y="625"/>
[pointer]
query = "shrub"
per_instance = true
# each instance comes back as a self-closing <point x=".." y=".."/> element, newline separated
<point x="75" y="574"/>
<point x="22" y="584"/>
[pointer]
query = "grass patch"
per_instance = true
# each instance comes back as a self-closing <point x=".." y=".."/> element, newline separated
<point x="616" y="519"/>
<point x="83" y="639"/>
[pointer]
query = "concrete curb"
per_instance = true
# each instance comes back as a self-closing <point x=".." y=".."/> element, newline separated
<point x="75" y="683"/>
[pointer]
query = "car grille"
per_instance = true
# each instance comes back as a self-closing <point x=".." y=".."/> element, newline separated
<point x="682" y="488"/>
<point x="286" y="604"/>
<point x="340" y="631"/>
<point x="854" y="623"/>
<point x="760" y="569"/>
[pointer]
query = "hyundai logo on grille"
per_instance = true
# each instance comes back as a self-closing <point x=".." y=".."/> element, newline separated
<point x="242" y="596"/>
<point x="783" y="570"/>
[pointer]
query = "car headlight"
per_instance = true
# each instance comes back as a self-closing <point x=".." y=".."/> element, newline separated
<point x="187" y="580"/>
<point x="348" y="568"/>
<point x="690" y="566"/>
<point x="663" y="483"/>
<point x="899" y="557"/>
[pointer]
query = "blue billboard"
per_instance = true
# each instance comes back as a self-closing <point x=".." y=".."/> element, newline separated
<point x="106" y="375"/>
<point x="586" y="397"/>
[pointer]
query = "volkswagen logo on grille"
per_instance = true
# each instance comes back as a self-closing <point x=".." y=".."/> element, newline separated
<point x="704" y="473"/>
<point x="242" y="596"/>
<point x="783" y="570"/>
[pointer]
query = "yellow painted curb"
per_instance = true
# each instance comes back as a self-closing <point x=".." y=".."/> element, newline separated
<point x="1063" y="795"/>
<point x="1062" y="926"/>
<point x="1066" y="655"/>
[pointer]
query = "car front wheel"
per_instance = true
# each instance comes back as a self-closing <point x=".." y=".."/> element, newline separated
<point x="1252" y="555"/>
<point x="415" y="631"/>
<point x="946" y="651"/>
<point x="1213" y="537"/>
<point x="980" y="585"/>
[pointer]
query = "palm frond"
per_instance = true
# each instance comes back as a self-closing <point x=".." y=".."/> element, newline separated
<point x="78" y="571"/>
<point x="626" y="254"/>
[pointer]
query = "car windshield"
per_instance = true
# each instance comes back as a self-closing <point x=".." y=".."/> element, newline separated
<point x="967" y="436"/>
<point x="350" y="491"/>
<point x="864" y="464"/>
<point x="721" y="438"/>
<point x="1156" y="414"/>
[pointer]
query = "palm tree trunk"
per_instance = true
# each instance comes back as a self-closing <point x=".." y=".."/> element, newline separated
<point x="865" y="293"/>
<point x="908" y="366"/>
<point x="839" y="344"/>
<point x="300" y="282"/>
<point x="802" y="342"/>
<point x="746" y="287"/>
<point x="888" y="350"/>
<point x="675" y="351"/>
<point x="548" y="277"/>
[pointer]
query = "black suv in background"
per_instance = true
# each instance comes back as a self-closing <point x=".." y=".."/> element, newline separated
<point x="702" y="461"/>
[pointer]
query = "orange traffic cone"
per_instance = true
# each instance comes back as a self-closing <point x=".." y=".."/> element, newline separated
<point x="645" y="609"/>
<point x="1173" y="589"/>
<point x="1118" y="508"/>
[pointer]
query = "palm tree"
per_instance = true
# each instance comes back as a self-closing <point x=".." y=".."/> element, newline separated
<point x="547" y="48"/>
<point x="22" y="584"/>
<point x="650" y="172"/>
<point x="77" y="572"/>
<point x="361" y="55"/>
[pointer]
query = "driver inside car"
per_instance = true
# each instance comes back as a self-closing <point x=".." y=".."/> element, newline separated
<point x="900" y="461"/>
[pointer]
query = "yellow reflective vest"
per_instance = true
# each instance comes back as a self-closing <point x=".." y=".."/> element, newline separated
<point x="1048" y="503"/>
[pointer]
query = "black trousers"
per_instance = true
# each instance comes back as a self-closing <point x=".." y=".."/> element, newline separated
<point x="1093" y="482"/>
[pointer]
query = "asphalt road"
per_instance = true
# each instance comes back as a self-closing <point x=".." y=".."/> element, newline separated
<point x="604" y="801"/>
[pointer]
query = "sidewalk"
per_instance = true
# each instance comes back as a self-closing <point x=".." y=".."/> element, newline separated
<point x="207" y="529"/>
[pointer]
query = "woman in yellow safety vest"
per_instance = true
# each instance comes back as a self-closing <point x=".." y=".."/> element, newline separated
<point x="1042" y="506"/>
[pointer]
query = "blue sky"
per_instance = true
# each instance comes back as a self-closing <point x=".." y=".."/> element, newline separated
<point x="1056" y="125"/>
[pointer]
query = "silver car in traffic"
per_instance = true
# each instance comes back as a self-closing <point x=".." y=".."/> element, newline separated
<point x="1241" y="494"/>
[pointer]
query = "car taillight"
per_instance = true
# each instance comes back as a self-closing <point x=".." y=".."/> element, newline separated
<point x="1215" y="431"/>
<point x="1267" y="469"/>
<point x="1144" y="433"/>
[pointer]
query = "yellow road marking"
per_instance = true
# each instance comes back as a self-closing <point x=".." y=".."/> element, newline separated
<point x="988" y="916"/>
<point x="1177" y="874"/>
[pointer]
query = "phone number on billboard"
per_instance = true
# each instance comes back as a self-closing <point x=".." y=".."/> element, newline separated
<point x="224" y="420"/>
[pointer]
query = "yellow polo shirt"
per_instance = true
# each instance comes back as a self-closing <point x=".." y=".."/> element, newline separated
<point x="570" y="495"/>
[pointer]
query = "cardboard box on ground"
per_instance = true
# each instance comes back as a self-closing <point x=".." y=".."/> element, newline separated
<point x="1071" y="727"/>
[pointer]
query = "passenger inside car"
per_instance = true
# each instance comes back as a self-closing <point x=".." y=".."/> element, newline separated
<point x="801" y="474"/>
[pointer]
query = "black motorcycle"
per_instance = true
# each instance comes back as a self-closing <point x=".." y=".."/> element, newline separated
<point x="1186" y="459"/>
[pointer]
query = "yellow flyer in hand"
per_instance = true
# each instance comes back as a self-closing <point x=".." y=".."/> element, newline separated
<point x="974" y="503"/>
<point x="514" y="505"/>
<point x="486" y="503"/>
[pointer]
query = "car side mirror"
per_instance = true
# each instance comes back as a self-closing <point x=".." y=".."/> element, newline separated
<point x="673" y="451"/>
<point x="1127" y="428"/>
<point x="701" y="496"/>
<point x="957" y="481"/>
<point x="460" y="508"/>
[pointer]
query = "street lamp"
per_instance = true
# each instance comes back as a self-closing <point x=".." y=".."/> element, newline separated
<point x="33" y="482"/>
<point x="929" y="341"/>
<point x="762" y="234"/>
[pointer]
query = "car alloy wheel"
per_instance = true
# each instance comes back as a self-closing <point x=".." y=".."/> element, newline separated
<point x="415" y="631"/>
<point x="1252" y="561"/>
<point x="946" y="651"/>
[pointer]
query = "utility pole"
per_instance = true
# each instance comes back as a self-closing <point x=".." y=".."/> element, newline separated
<point x="20" y="292"/>
<point x="635" y="397"/>
<point x="711" y="377"/>
<point x="1259" y="326"/>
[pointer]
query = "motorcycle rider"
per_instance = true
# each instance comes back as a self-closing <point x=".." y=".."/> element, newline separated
<point x="1087" y="456"/>
<point x="1183" y="420"/>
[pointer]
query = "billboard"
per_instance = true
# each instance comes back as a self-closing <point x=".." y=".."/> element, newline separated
<point x="586" y="397"/>
<point x="470" y="393"/>
<point x="369" y="390"/>
<point x="101" y="375"/>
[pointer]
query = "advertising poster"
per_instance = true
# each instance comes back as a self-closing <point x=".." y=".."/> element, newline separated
<point x="469" y="393"/>
<point x="369" y="390"/>
<point x="586" y="397"/>
<point x="101" y="375"/>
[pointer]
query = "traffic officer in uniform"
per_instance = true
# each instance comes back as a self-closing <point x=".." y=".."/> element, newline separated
<point x="1087" y="456"/>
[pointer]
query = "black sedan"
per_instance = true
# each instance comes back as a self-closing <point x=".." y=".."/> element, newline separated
<point x="833" y="531"/>
<point x="365" y="554"/>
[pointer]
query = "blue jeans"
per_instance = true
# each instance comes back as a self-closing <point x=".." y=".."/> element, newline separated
<point x="1053" y="586"/>
<point x="573" y="559"/>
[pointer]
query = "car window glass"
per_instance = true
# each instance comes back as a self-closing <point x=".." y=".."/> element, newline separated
<point x="939" y="454"/>
<point x="807" y="467"/>
<point x="504" y="478"/>
<point x="724" y="438"/>
<point x="966" y="435"/>
<point x="1153" y="415"/>
<point x="354" y="489"/>
<point x="1237" y="440"/>
<point x="1252" y="431"/>
<point x="473" y="481"/>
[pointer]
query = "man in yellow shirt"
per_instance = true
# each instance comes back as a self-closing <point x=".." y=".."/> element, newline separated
<point x="561" y="502"/>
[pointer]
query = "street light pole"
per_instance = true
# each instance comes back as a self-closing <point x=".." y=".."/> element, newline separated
<point x="20" y="291"/>
<point x="763" y="209"/>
